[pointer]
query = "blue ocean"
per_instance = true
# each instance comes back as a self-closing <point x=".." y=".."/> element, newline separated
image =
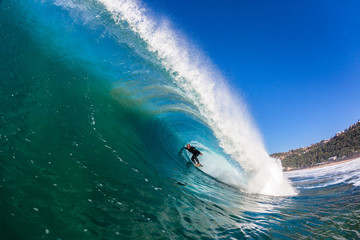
<point x="99" y="97"/>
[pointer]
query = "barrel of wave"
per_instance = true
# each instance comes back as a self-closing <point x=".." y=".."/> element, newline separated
<point x="211" y="96"/>
<point x="218" y="167"/>
<point x="266" y="179"/>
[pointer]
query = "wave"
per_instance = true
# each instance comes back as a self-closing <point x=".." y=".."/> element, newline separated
<point x="204" y="86"/>
<point x="90" y="113"/>
<point x="151" y="65"/>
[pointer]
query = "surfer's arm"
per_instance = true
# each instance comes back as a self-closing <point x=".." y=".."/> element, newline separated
<point x="181" y="150"/>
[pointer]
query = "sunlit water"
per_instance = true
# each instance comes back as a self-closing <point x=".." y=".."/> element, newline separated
<point x="93" y="115"/>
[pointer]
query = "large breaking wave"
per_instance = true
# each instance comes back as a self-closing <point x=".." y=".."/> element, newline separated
<point x="194" y="87"/>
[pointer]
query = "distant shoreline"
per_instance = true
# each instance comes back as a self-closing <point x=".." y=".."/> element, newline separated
<point x="348" y="159"/>
<point x="327" y="152"/>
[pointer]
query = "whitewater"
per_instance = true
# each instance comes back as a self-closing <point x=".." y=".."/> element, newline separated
<point x="98" y="98"/>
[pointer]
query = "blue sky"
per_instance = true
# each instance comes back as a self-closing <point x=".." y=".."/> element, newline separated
<point x="295" y="63"/>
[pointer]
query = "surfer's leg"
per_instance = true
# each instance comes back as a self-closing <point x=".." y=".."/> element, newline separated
<point x="194" y="159"/>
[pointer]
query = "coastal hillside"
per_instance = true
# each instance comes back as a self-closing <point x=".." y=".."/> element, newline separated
<point x="343" y="145"/>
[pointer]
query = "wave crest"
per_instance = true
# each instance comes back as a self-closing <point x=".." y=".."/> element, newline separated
<point x="201" y="84"/>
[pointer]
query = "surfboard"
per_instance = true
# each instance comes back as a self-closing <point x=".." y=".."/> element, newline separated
<point x="198" y="165"/>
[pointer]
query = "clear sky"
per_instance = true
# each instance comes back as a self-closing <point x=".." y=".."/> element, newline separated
<point x="295" y="63"/>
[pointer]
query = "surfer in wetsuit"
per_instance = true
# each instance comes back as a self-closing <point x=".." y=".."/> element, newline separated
<point x="195" y="153"/>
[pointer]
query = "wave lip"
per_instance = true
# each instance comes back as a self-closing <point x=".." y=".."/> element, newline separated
<point x="204" y="86"/>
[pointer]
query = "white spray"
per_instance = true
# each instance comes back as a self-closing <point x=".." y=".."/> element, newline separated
<point x="199" y="80"/>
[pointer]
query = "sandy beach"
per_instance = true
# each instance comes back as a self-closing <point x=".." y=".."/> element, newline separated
<point x="357" y="156"/>
<point x="330" y="164"/>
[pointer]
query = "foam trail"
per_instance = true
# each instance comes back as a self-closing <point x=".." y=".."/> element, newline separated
<point x="206" y="88"/>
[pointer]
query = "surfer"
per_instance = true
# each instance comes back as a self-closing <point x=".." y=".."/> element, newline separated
<point x="195" y="153"/>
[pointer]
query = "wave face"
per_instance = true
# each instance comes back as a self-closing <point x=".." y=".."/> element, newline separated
<point x="204" y="89"/>
<point x="97" y="99"/>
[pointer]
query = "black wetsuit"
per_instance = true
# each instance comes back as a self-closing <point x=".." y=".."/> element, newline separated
<point x="195" y="153"/>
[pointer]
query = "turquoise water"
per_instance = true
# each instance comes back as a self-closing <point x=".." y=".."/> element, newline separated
<point x="92" y="117"/>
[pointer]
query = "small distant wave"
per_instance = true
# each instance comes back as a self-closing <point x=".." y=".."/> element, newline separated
<point x="348" y="173"/>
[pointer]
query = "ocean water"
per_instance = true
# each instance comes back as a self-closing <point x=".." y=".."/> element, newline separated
<point x="97" y="99"/>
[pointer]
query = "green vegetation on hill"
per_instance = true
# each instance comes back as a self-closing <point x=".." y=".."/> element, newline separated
<point x="342" y="145"/>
